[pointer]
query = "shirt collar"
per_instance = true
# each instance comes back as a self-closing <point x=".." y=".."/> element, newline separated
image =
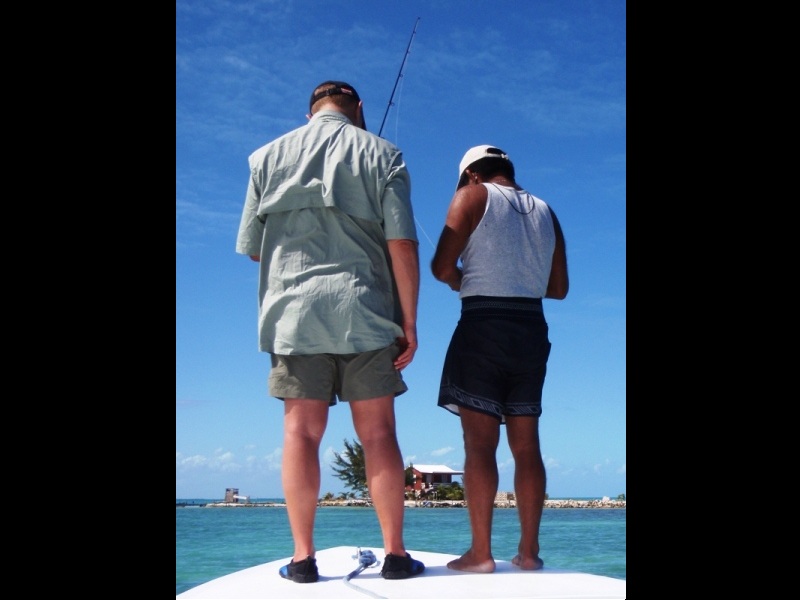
<point x="330" y="115"/>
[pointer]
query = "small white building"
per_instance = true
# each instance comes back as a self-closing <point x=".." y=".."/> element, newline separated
<point x="430" y="476"/>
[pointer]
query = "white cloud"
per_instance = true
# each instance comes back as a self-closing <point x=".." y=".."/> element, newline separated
<point x="442" y="451"/>
<point x="193" y="461"/>
<point x="551" y="463"/>
<point x="274" y="459"/>
<point x="506" y="464"/>
<point x="328" y="456"/>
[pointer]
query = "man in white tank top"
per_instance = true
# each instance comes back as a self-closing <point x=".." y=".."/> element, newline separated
<point x="512" y="254"/>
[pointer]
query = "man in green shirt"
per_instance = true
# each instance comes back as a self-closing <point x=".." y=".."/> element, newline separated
<point x="328" y="216"/>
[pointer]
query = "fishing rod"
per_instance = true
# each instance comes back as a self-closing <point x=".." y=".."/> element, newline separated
<point x="399" y="75"/>
<point x="391" y="98"/>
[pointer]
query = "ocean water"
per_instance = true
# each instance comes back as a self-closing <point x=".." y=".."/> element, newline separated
<point x="211" y="542"/>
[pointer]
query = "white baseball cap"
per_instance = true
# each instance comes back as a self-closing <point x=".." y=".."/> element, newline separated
<point x="475" y="154"/>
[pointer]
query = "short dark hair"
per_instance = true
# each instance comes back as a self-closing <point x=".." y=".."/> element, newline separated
<point x="490" y="166"/>
<point x="342" y="94"/>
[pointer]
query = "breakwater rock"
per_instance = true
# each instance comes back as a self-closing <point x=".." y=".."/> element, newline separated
<point x="499" y="503"/>
<point x="512" y="503"/>
<point x="604" y="503"/>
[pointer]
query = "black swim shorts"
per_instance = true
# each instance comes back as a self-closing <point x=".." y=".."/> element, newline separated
<point x="497" y="358"/>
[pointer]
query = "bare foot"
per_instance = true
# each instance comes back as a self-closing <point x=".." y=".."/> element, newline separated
<point x="469" y="563"/>
<point x="528" y="564"/>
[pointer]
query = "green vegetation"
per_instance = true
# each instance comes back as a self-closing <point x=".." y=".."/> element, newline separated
<point x="350" y="467"/>
<point x="410" y="475"/>
<point x="450" y="491"/>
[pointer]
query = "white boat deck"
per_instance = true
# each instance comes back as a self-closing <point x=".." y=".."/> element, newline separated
<point x="437" y="582"/>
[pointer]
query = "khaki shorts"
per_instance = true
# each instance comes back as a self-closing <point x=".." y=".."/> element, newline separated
<point x="327" y="376"/>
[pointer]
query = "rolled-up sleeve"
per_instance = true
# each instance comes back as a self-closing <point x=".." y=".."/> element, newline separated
<point x="251" y="229"/>
<point x="398" y="213"/>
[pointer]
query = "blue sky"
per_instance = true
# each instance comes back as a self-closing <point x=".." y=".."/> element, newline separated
<point x="543" y="80"/>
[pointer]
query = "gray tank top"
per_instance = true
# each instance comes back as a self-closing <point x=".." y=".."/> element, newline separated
<point x="511" y="250"/>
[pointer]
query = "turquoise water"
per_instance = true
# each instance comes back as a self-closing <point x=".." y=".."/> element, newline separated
<point x="211" y="542"/>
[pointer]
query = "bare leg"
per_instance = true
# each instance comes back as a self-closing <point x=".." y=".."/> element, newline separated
<point x="375" y="426"/>
<point x="529" y="486"/>
<point x="304" y="423"/>
<point x="481" y="436"/>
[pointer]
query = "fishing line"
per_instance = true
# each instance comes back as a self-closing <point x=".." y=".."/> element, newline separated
<point x="397" y="115"/>
<point x="389" y="105"/>
<point x="423" y="231"/>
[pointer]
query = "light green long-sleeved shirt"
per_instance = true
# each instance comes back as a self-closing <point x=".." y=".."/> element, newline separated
<point x="321" y="202"/>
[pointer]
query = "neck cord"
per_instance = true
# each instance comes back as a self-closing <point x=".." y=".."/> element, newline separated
<point x="512" y="204"/>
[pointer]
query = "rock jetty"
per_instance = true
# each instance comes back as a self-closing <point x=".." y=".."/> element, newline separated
<point x="507" y="502"/>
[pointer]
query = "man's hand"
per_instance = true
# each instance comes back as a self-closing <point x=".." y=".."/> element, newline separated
<point x="408" y="347"/>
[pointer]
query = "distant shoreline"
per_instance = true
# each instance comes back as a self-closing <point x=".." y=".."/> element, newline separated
<point x="561" y="503"/>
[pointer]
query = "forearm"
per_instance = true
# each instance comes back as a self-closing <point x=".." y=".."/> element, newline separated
<point x="404" y="255"/>
<point x="451" y="275"/>
<point x="558" y="284"/>
<point x="405" y="267"/>
<point x="444" y="265"/>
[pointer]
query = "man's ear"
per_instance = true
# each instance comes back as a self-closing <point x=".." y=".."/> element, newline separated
<point x="361" y="111"/>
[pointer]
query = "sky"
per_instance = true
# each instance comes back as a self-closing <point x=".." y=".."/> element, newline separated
<point x="543" y="80"/>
